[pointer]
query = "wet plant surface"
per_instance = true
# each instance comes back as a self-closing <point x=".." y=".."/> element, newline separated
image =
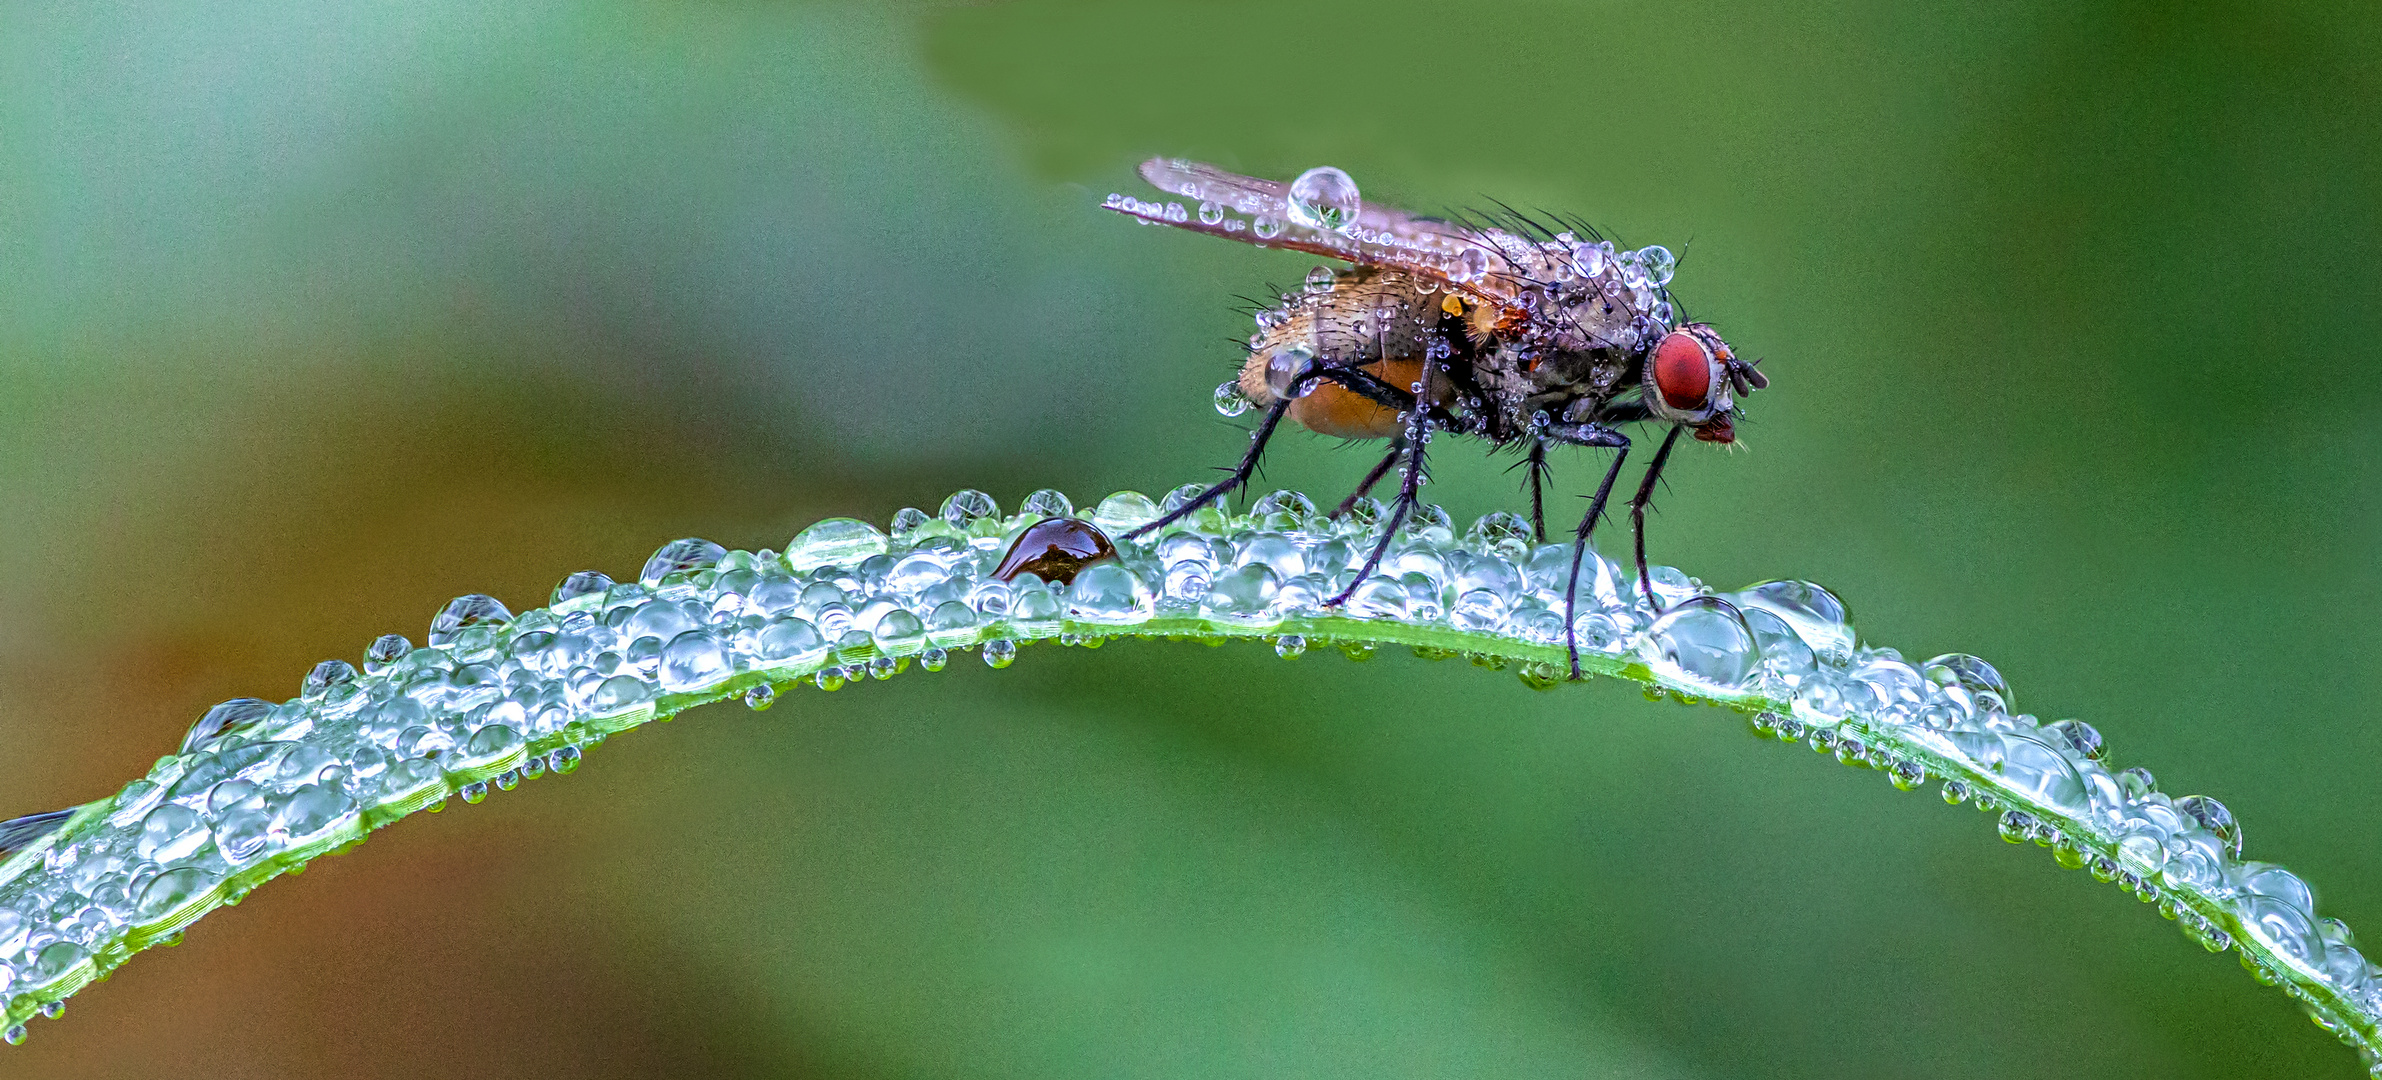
<point x="492" y="699"/>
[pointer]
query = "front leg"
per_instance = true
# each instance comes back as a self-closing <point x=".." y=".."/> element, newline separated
<point x="1586" y="435"/>
<point x="1637" y="515"/>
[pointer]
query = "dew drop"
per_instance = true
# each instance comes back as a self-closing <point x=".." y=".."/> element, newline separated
<point x="760" y="698"/>
<point x="1000" y="653"/>
<point x="1124" y="512"/>
<point x="226" y="721"/>
<point x="967" y="506"/>
<point x="834" y="542"/>
<point x="1970" y="673"/>
<point x="693" y="661"/>
<point x="326" y="675"/>
<point x="475" y="792"/>
<point x="2212" y="816"/>
<point x="906" y="524"/>
<point x="2078" y="736"/>
<point x="1266" y="228"/>
<point x="1229" y="399"/>
<point x="465" y="613"/>
<point x="1048" y="503"/>
<point x="1471" y="266"/>
<point x="1109" y="593"/>
<point x="1290" y="646"/>
<point x="1659" y="264"/>
<point x="566" y="760"/>
<point x="15" y="1035"/>
<point x="1325" y="198"/>
<point x="1702" y="642"/>
<point x="1055" y="550"/>
<point x="583" y="583"/>
<point x="1210" y="213"/>
<point x="1591" y="258"/>
<point x="385" y="650"/>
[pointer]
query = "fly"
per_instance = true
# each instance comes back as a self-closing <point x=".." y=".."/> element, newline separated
<point x="1523" y="332"/>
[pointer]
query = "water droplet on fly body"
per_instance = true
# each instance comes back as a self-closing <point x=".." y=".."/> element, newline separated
<point x="2078" y="736"/>
<point x="1055" y="549"/>
<point x="679" y="557"/>
<point x="1320" y="279"/>
<point x="1658" y="263"/>
<point x="1702" y="642"/>
<point x="1229" y="399"/>
<point x="834" y="542"/>
<point x="1000" y="653"/>
<point x="967" y="506"/>
<point x="1325" y="198"/>
<point x="583" y="583"/>
<point x="1124" y="512"/>
<point x="385" y="650"/>
<point x="1471" y="266"/>
<point x="1283" y="368"/>
<point x="228" y="720"/>
<point x="465" y="613"/>
<point x="1592" y="258"/>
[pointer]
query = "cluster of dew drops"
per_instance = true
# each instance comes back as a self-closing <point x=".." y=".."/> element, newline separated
<point x="845" y="601"/>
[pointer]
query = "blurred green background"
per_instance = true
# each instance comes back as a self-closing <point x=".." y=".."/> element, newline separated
<point x="316" y="316"/>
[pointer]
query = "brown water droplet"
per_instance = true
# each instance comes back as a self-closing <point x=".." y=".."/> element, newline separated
<point x="1053" y="549"/>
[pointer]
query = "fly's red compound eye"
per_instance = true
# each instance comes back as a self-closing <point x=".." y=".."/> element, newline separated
<point x="1682" y="371"/>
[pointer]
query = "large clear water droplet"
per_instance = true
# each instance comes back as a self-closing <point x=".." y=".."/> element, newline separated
<point x="1659" y="264"/>
<point x="967" y="506"/>
<point x="464" y="613"/>
<point x="2213" y="816"/>
<point x="228" y="720"/>
<point x="1325" y="198"/>
<point x="834" y="542"/>
<point x="1047" y="503"/>
<point x="1702" y="642"/>
<point x="1814" y="613"/>
<point x="583" y="583"/>
<point x="1108" y="592"/>
<point x="173" y="890"/>
<point x="1229" y="399"/>
<point x="2078" y="736"/>
<point x="1972" y="674"/>
<point x="693" y="661"/>
<point x="1123" y="512"/>
<point x="679" y="557"/>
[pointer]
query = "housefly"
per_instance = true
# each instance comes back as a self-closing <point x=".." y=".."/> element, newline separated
<point x="1525" y="331"/>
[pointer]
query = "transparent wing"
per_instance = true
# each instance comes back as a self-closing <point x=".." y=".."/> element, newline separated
<point x="1488" y="263"/>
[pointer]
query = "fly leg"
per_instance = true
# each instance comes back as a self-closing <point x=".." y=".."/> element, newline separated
<point x="1410" y="483"/>
<point x="1354" y="380"/>
<point x="1587" y="435"/>
<point x="1537" y="464"/>
<point x="1637" y="515"/>
<point x="1397" y="447"/>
